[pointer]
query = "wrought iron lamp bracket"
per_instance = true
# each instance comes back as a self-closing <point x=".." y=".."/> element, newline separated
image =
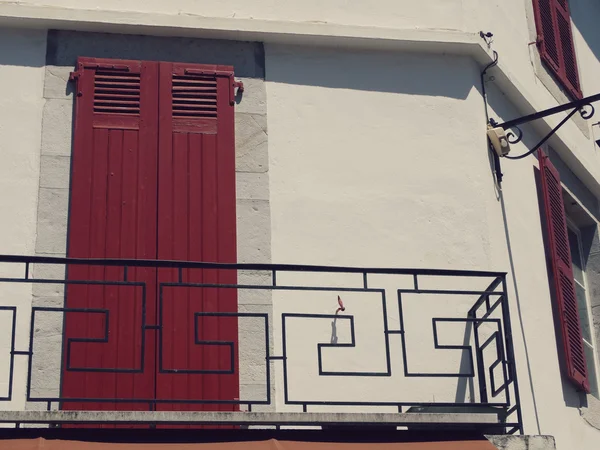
<point x="514" y="134"/>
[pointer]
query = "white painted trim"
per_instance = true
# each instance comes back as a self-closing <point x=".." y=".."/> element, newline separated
<point x="239" y="29"/>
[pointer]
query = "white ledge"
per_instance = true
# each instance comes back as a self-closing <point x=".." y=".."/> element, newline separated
<point x="187" y="25"/>
<point x="249" y="418"/>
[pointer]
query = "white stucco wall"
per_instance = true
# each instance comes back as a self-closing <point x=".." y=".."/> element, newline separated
<point x="386" y="21"/>
<point x="22" y="59"/>
<point x="375" y="162"/>
<point x="375" y="159"/>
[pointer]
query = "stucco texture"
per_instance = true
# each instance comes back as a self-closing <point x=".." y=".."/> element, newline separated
<point x="375" y="162"/>
<point x="22" y="54"/>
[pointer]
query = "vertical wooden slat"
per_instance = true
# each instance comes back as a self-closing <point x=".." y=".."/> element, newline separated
<point x="112" y="244"/>
<point x="164" y="384"/>
<point x="210" y="226"/>
<point x="129" y="337"/>
<point x="195" y="246"/>
<point x="146" y="230"/>
<point x="95" y="353"/>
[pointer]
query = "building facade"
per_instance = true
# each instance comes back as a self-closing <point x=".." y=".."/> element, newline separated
<point x="272" y="136"/>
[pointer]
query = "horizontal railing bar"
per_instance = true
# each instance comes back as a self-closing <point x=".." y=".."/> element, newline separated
<point x="247" y="418"/>
<point x="395" y="403"/>
<point x="240" y="266"/>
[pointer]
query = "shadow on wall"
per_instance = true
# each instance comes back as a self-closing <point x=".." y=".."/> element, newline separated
<point x="19" y="47"/>
<point x="584" y="14"/>
<point x="65" y="46"/>
<point x="404" y="72"/>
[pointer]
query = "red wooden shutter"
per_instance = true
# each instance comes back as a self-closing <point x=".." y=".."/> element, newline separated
<point x="555" y="42"/>
<point x="562" y="273"/>
<point x="197" y="222"/>
<point x="113" y="209"/>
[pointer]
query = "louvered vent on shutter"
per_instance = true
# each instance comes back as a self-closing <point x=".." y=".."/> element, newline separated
<point x="547" y="36"/>
<point x="562" y="273"/>
<point x="116" y="92"/>
<point x="194" y="96"/>
<point x="563" y="20"/>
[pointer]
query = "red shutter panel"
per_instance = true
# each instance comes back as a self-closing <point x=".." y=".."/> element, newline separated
<point x="569" y="74"/>
<point x="555" y="42"/>
<point x="197" y="222"/>
<point x="562" y="273"/>
<point x="546" y="34"/>
<point x="112" y="214"/>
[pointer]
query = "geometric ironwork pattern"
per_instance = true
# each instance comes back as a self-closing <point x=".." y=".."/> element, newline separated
<point x="488" y="317"/>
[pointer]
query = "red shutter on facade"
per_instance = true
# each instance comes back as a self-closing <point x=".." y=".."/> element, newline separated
<point x="153" y="177"/>
<point x="555" y="42"/>
<point x="113" y="192"/>
<point x="562" y="273"/>
<point x="197" y="222"/>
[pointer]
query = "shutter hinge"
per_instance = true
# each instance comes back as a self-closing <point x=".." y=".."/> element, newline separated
<point x="240" y="88"/>
<point x="74" y="76"/>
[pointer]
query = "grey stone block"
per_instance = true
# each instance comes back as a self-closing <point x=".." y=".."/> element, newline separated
<point x="56" y="82"/>
<point x="52" y="220"/>
<point x="254" y="98"/>
<point x="55" y="171"/>
<point x="254" y="392"/>
<point x="42" y="291"/>
<point x="52" y="301"/>
<point x="252" y="345"/>
<point x="49" y="271"/>
<point x="45" y="294"/>
<point x="57" y="124"/>
<point x="254" y="297"/>
<point x="252" y="341"/>
<point x="252" y="186"/>
<point x="254" y="231"/>
<point x="255" y="277"/>
<point x="46" y="365"/>
<point x="251" y="148"/>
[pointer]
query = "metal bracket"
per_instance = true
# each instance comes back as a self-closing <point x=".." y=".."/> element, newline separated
<point x="517" y="135"/>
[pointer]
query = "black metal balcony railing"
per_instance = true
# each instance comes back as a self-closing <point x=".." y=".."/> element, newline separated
<point x="486" y="363"/>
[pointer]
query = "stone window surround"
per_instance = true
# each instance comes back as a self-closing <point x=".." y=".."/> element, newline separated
<point x="252" y="194"/>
